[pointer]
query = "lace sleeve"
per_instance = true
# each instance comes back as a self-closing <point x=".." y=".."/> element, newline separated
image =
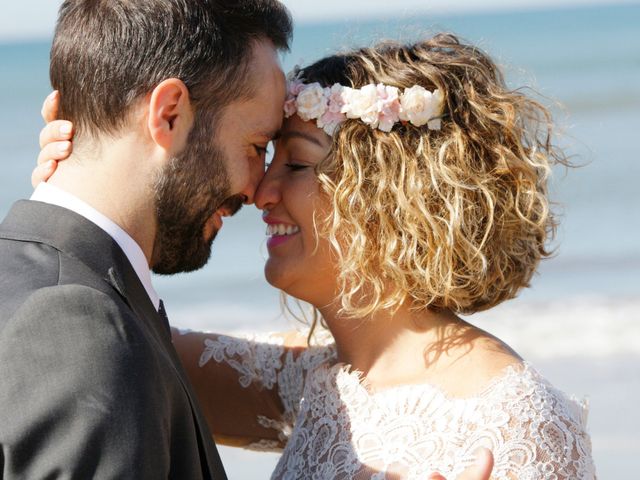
<point x="256" y="358"/>
<point x="541" y="435"/>
<point x="265" y="367"/>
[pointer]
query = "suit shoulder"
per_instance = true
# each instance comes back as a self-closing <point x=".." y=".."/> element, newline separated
<point x="81" y="320"/>
<point x="26" y="267"/>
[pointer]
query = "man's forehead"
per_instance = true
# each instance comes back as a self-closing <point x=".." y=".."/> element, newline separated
<point x="269" y="132"/>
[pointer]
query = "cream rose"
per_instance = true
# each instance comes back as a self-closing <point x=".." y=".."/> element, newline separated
<point x="420" y="106"/>
<point x="362" y="104"/>
<point x="311" y="102"/>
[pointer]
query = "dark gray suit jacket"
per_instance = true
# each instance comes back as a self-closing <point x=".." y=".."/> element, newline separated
<point x="90" y="384"/>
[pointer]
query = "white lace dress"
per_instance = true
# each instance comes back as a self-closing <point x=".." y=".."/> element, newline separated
<point x="332" y="427"/>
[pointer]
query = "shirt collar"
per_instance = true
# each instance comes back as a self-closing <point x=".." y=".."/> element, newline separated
<point x="53" y="195"/>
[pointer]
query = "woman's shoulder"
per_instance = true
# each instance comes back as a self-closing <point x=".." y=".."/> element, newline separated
<point x="489" y="374"/>
<point x="534" y="416"/>
<point x="464" y="363"/>
<point x="529" y="424"/>
<point x="524" y="389"/>
<point x="498" y="376"/>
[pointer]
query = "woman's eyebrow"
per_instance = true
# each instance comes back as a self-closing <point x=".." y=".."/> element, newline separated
<point x="296" y="134"/>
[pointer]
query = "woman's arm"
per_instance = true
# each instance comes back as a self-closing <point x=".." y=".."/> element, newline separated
<point x="236" y="381"/>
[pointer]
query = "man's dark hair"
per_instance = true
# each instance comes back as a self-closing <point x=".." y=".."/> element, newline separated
<point x="106" y="54"/>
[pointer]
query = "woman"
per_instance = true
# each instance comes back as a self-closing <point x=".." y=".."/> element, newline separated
<point x="408" y="186"/>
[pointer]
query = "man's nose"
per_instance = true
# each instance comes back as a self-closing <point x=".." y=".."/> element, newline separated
<point x="268" y="193"/>
<point x="255" y="177"/>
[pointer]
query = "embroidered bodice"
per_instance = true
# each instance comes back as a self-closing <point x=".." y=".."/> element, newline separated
<point x="333" y="427"/>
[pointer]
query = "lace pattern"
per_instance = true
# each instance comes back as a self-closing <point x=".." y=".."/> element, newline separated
<point x="335" y="428"/>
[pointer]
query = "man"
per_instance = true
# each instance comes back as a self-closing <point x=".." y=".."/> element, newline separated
<point x="173" y="103"/>
<point x="164" y="161"/>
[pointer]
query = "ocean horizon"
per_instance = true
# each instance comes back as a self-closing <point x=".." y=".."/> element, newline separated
<point x="579" y="322"/>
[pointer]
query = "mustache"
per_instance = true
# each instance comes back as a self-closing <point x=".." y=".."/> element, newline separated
<point x="233" y="204"/>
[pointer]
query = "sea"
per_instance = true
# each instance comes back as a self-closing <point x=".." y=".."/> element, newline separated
<point x="579" y="322"/>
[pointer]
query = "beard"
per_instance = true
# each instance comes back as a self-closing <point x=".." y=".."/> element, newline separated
<point x="188" y="191"/>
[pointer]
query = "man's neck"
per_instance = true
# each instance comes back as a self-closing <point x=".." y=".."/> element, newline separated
<point x="117" y="187"/>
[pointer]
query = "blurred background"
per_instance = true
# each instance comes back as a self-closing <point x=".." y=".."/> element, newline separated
<point x="579" y="323"/>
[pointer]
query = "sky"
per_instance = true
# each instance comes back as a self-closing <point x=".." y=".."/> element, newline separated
<point x="34" y="19"/>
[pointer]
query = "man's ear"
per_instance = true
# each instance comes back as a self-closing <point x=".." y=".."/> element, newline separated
<point x="170" y="115"/>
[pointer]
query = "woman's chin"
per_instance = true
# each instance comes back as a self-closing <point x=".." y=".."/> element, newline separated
<point x="274" y="275"/>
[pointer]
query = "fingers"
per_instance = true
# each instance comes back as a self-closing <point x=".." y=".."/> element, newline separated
<point x="55" y="141"/>
<point x="55" y="151"/>
<point x="436" y="476"/>
<point x="56" y="131"/>
<point x="50" y="106"/>
<point x="42" y="172"/>
<point x="482" y="468"/>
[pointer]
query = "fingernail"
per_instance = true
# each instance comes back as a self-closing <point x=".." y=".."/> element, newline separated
<point x="65" y="129"/>
<point x="64" y="147"/>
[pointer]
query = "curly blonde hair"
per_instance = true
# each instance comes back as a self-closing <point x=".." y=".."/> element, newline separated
<point x="452" y="219"/>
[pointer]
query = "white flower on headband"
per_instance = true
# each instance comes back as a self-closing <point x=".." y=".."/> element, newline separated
<point x="420" y="106"/>
<point x="379" y="106"/>
<point x="311" y="102"/>
<point x="361" y="103"/>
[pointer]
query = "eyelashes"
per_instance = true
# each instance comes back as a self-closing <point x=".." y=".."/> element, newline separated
<point x="261" y="150"/>
<point x="296" y="166"/>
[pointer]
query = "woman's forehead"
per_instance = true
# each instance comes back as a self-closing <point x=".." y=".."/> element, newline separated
<point x="295" y="127"/>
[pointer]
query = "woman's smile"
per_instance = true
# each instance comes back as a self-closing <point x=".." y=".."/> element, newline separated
<point x="279" y="232"/>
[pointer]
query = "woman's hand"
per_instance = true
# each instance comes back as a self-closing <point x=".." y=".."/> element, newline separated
<point x="55" y="140"/>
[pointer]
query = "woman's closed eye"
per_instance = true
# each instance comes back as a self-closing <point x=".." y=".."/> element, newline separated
<point x="295" y="167"/>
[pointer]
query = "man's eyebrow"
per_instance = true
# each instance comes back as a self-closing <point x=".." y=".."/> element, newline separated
<point x="269" y="134"/>
<point x="275" y="136"/>
<point x="296" y="134"/>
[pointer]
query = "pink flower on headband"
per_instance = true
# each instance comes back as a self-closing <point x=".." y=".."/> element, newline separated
<point x="333" y="116"/>
<point x="294" y="88"/>
<point x="376" y="105"/>
<point x="388" y="107"/>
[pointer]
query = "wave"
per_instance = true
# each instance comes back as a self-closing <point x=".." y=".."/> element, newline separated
<point x="578" y="326"/>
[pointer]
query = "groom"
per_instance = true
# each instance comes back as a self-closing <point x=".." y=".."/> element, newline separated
<point x="174" y="102"/>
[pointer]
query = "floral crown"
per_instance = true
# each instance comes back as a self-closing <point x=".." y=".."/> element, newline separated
<point x="379" y="106"/>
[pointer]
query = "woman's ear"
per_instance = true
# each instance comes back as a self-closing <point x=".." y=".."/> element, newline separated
<point x="170" y="115"/>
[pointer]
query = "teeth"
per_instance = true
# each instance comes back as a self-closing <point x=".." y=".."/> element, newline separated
<point x="281" y="229"/>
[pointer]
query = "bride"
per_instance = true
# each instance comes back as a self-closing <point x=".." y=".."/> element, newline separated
<point x="408" y="187"/>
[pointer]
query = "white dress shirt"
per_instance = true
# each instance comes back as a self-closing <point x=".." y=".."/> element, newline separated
<point x="55" y="196"/>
